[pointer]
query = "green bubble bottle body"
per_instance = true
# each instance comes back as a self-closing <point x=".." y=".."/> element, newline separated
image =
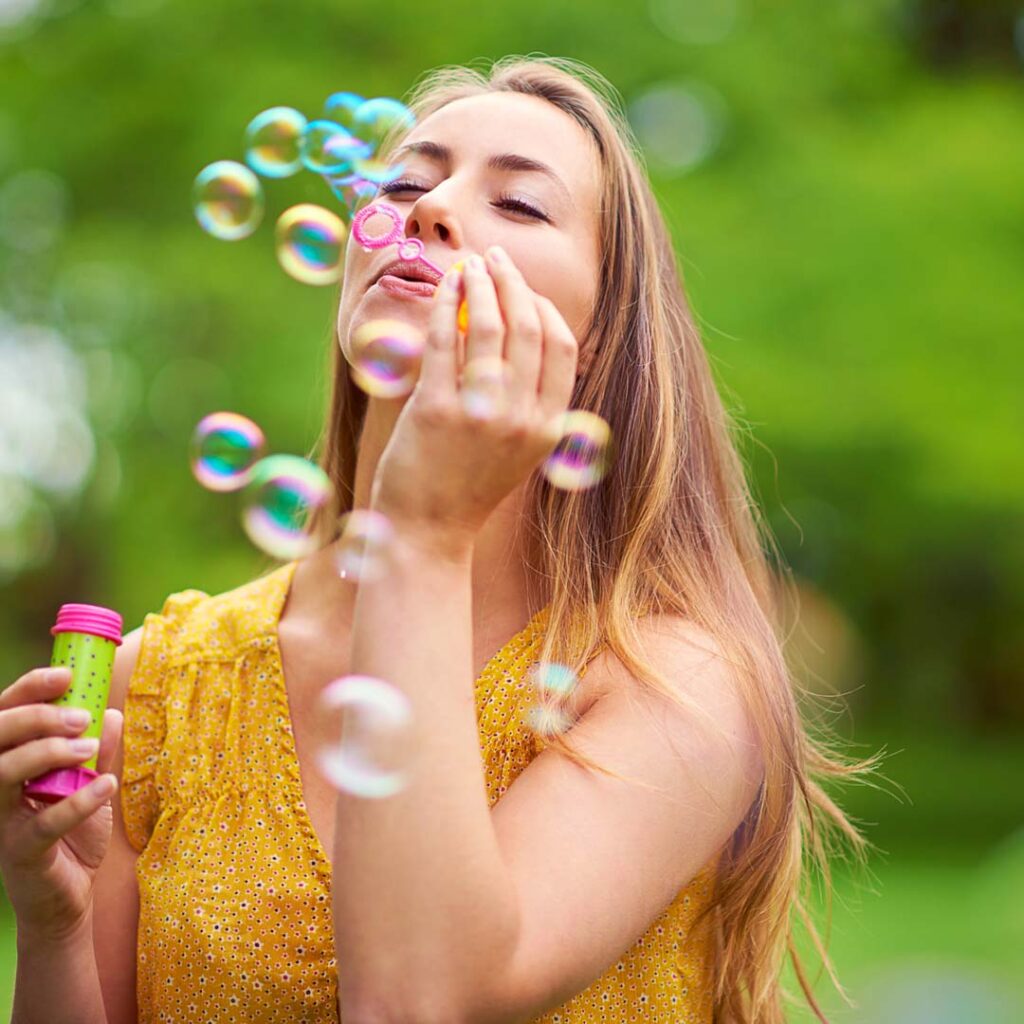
<point x="85" y="639"/>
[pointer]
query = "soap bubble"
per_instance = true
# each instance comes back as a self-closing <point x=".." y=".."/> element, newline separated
<point x="483" y="386"/>
<point x="386" y="357"/>
<point x="282" y="494"/>
<point x="583" y="455"/>
<point x="328" y="149"/>
<point x="225" y="447"/>
<point x="341" y="108"/>
<point x="272" y="141"/>
<point x="697" y="22"/>
<point x="353" y="191"/>
<point x="376" y="170"/>
<point x="552" y="683"/>
<point x="363" y="547"/>
<point x="228" y="200"/>
<point x="679" y="124"/>
<point x="365" y="750"/>
<point x="375" y="119"/>
<point x="310" y="243"/>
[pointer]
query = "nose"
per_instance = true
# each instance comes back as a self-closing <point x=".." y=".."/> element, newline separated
<point x="431" y="217"/>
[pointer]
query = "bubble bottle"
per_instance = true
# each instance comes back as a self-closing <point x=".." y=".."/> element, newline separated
<point x="85" y="639"/>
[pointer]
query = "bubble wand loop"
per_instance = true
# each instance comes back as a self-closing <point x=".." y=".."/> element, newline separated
<point x="410" y="249"/>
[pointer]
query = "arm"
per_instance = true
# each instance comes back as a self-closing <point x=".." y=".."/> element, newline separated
<point x="58" y="980"/>
<point x="423" y="901"/>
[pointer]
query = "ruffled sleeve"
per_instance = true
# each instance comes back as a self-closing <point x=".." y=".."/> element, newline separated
<point x="145" y="716"/>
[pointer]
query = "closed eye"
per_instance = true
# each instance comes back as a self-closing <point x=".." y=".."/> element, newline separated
<point x="505" y="200"/>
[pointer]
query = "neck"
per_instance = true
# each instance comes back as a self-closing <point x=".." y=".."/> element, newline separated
<point x="499" y="574"/>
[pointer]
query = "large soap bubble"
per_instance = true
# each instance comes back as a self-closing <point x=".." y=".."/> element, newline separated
<point x="341" y="108"/>
<point x="386" y="357"/>
<point x="283" y="493"/>
<point x="272" y="141"/>
<point x="310" y="243"/>
<point x="363" y="731"/>
<point x="327" y="148"/>
<point x="228" y="200"/>
<point x="225" y="446"/>
<point x="376" y="118"/>
<point x="584" y="454"/>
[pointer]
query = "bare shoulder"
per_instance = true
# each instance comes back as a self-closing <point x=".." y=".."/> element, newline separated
<point x="125" y="659"/>
<point x="707" y="688"/>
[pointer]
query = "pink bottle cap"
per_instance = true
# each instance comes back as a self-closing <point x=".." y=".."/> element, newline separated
<point x="89" y="618"/>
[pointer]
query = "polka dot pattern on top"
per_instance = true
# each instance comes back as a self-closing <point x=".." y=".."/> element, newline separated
<point x="235" y="916"/>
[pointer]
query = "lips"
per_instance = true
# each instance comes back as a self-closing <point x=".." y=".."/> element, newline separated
<point x="409" y="271"/>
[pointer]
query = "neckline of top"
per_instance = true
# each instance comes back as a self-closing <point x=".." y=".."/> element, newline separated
<point x="284" y="577"/>
<point x="282" y="580"/>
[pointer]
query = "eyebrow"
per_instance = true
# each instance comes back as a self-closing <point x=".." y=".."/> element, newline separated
<point x="499" y="161"/>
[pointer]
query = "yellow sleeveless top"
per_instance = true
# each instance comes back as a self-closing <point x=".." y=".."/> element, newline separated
<point x="235" y="919"/>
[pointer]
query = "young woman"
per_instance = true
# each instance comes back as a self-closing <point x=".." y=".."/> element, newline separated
<point x="642" y="864"/>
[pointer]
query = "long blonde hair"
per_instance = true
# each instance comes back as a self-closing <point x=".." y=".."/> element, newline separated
<point x="671" y="529"/>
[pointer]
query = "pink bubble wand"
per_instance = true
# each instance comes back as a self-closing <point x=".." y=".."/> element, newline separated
<point x="409" y="249"/>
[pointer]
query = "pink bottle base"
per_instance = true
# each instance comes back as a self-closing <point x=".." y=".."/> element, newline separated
<point x="62" y="782"/>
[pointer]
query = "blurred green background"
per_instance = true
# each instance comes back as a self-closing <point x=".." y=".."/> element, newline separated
<point x="843" y="183"/>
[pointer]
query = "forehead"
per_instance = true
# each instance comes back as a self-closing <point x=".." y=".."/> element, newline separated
<point x="477" y="126"/>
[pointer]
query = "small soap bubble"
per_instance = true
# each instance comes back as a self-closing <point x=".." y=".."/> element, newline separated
<point x="363" y="736"/>
<point x="583" y="455"/>
<point x="385" y="357"/>
<point x="353" y="192"/>
<point x="376" y="170"/>
<point x="228" y="200"/>
<point x="282" y="494"/>
<point x="377" y="117"/>
<point x="272" y="141"/>
<point x="327" y="148"/>
<point x="483" y="386"/>
<point x="546" y="720"/>
<point x="552" y="677"/>
<point x="363" y="546"/>
<point x="341" y="108"/>
<point x="552" y="683"/>
<point x="310" y="243"/>
<point x="225" y="447"/>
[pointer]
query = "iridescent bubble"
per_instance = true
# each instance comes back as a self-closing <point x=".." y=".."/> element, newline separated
<point x="386" y="357"/>
<point x="228" y="200"/>
<point x="552" y="683"/>
<point x="483" y="386"/>
<point x="366" y="749"/>
<point x="272" y="141"/>
<point x="310" y="243"/>
<point x="341" y="108"/>
<point x="679" y="124"/>
<point x="695" y="21"/>
<point x="225" y="447"/>
<point x="327" y="148"/>
<point x="353" y="191"/>
<point x="377" y="117"/>
<point x="552" y="677"/>
<point x="283" y="493"/>
<point x="363" y="547"/>
<point x="375" y="169"/>
<point x="583" y="456"/>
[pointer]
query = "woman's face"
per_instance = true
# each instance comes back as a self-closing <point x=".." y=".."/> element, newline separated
<point x="457" y="203"/>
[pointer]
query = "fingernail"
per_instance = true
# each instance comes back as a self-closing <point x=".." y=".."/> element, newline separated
<point x="85" y="746"/>
<point x="496" y="254"/>
<point x="76" y="717"/>
<point x="476" y="262"/>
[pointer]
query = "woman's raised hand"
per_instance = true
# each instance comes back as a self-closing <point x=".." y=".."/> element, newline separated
<point x="464" y="441"/>
<point x="49" y="853"/>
